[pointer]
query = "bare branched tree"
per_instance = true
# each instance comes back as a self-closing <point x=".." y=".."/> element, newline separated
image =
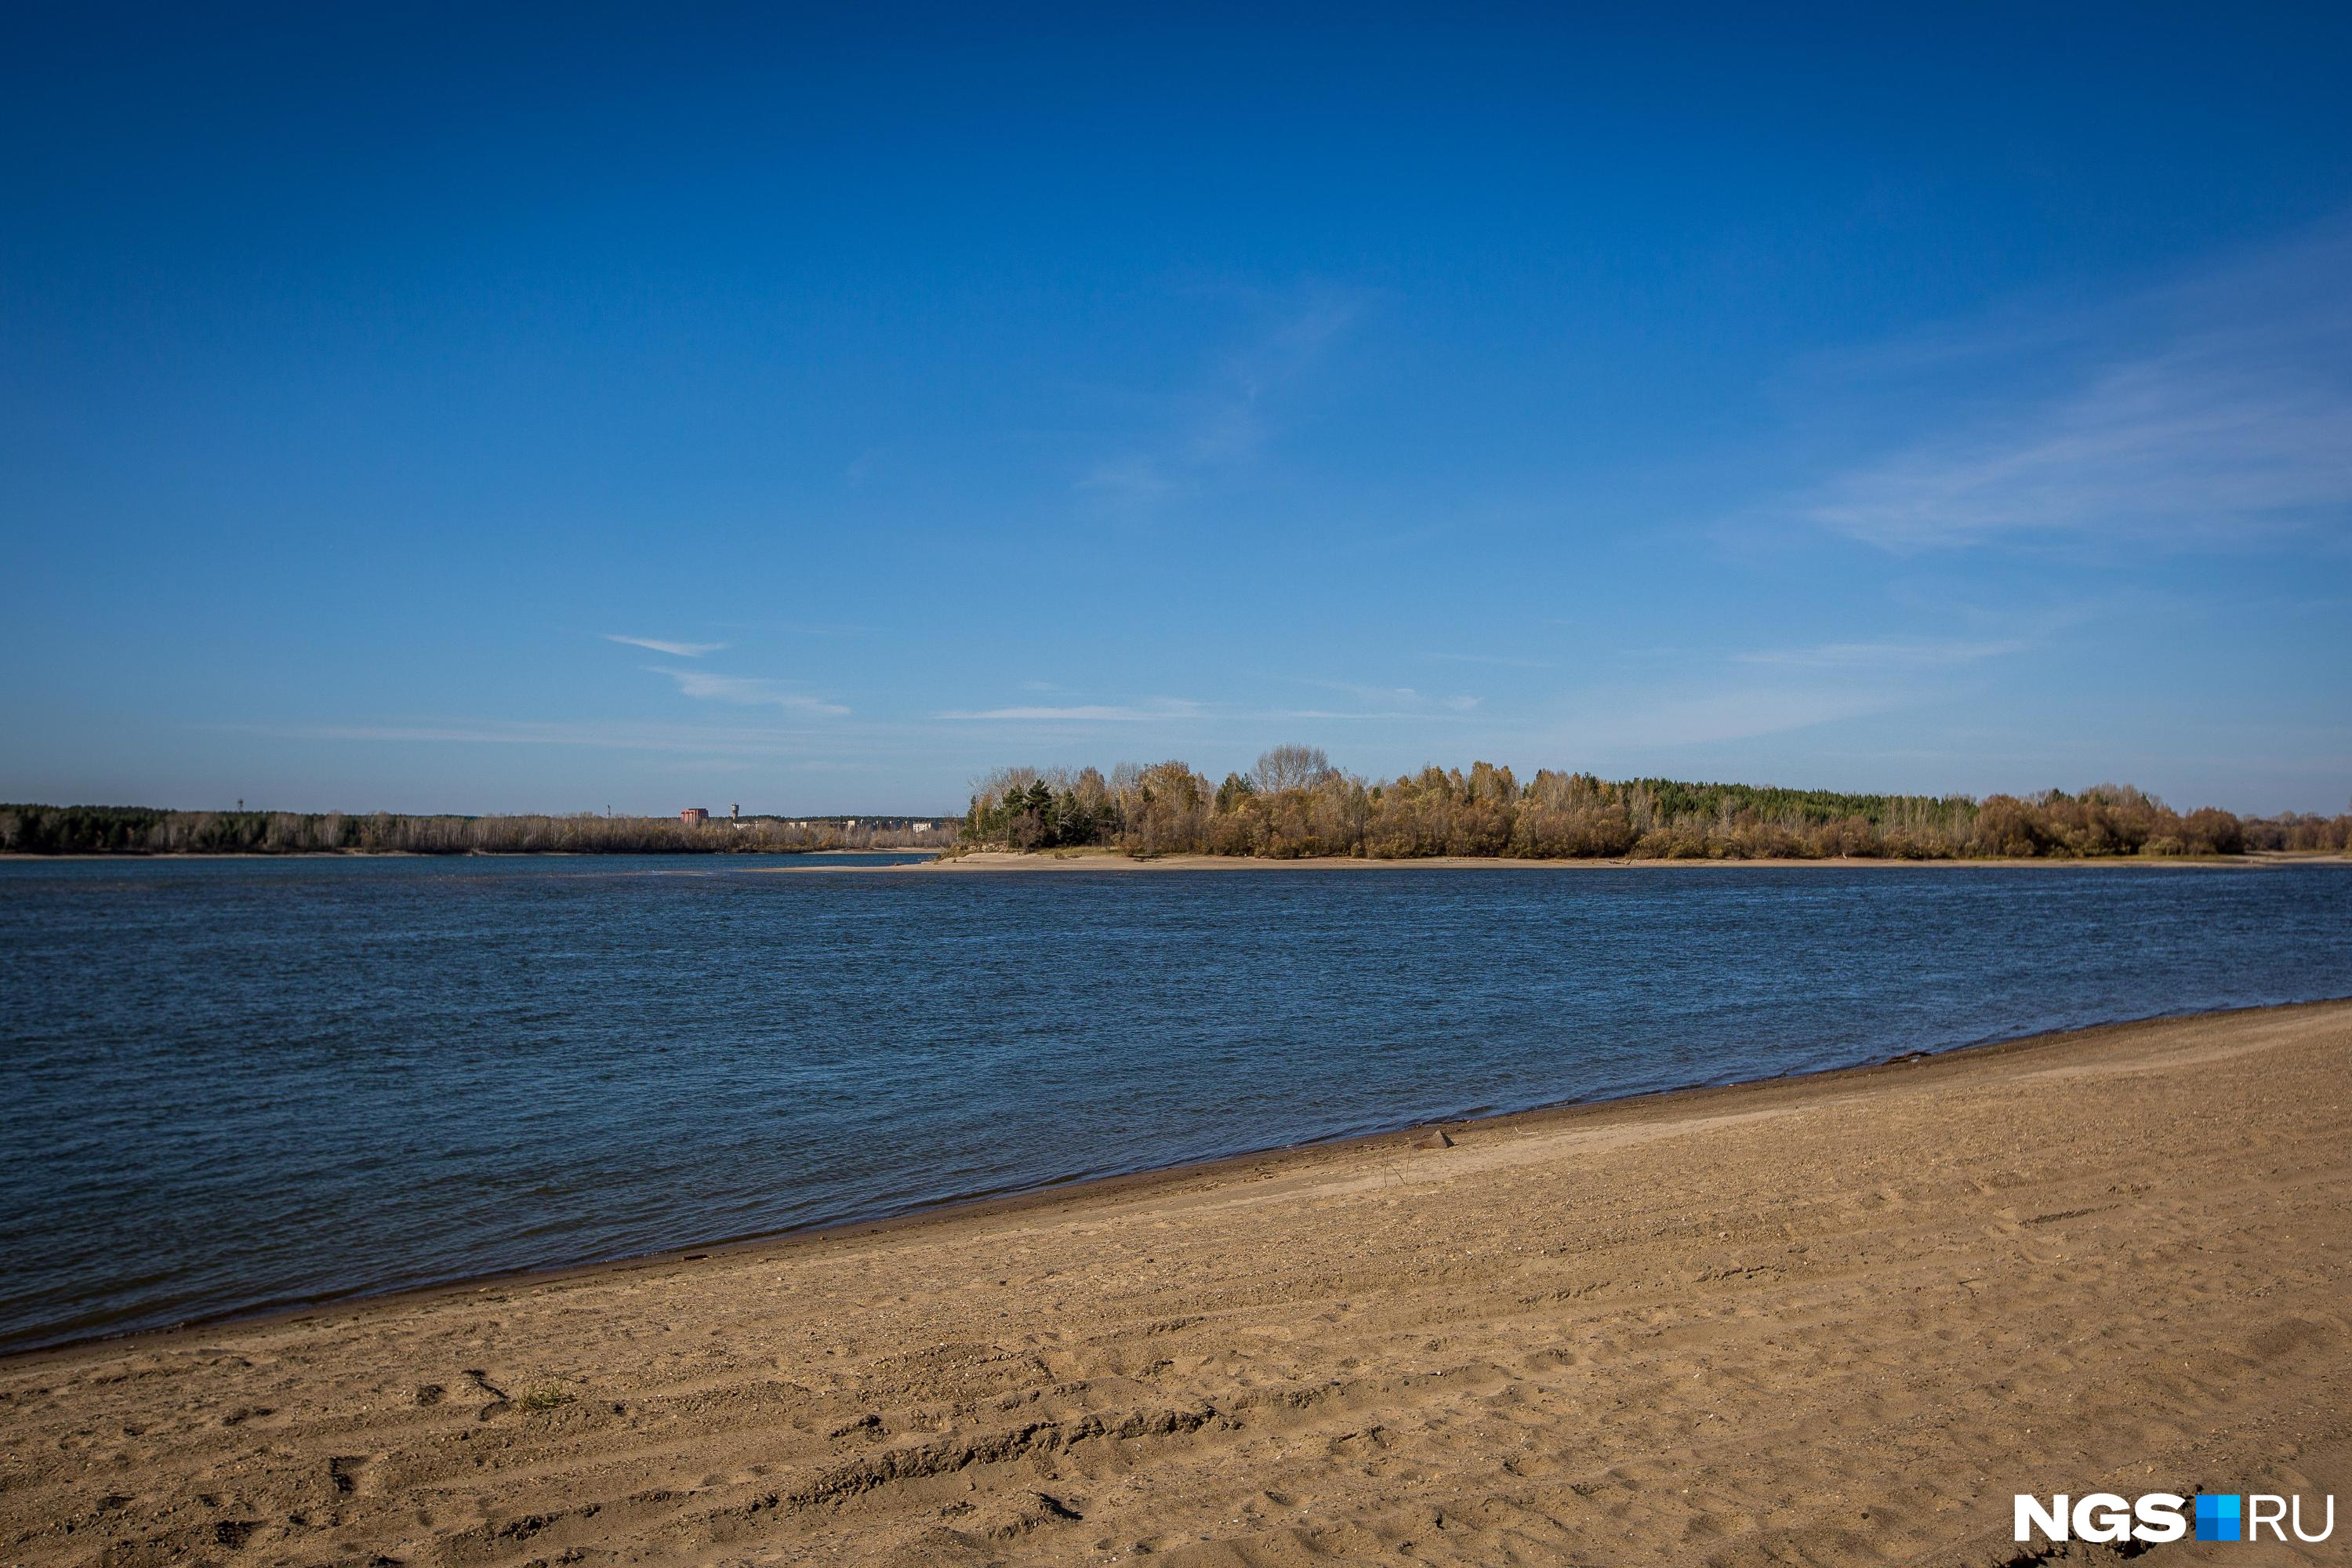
<point x="1290" y="767"/>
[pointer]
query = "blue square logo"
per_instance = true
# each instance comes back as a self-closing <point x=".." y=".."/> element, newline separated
<point x="2217" y="1516"/>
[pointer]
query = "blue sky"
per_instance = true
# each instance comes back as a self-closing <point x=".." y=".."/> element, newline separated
<point x="574" y="409"/>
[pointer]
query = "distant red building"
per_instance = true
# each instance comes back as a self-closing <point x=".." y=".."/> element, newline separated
<point x="694" y="817"/>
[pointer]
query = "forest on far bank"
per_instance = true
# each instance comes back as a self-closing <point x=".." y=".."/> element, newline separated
<point x="1292" y="804"/>
<point x="146" y="830"/>
<point x="1295" y="804"/>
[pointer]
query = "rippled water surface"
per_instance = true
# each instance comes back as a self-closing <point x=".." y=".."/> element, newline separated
<point x="235" y="1083"/>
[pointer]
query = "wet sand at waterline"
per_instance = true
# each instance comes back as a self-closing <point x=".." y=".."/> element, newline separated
<point x="1833" y="1319"/>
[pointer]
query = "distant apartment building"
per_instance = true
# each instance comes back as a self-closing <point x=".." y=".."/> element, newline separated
<point x="694" y="816"/>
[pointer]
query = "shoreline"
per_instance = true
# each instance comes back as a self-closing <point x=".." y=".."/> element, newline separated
<point x="1114" y="860"/>
<point x="1118" y="860"/>
<point x="1840" y="1317"/>
<point x="1661" y="1103"/>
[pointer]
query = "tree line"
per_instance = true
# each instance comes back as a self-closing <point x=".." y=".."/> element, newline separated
<point x="1295" y="804"/>
<point x="141" y="830"/>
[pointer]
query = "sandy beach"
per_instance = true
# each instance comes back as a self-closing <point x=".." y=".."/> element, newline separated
<point x="1839" y="1319"/>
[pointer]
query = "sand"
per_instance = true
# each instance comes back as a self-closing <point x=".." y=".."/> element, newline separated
<point x="1115" y="860"/>
<point x="1828" y="1320"/>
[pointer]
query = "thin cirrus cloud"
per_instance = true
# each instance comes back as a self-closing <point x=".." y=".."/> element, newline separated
<point x="1129" y="482"/>
<point x="1088" y="713"/>
<point x="1223" y="425"/>
<point x="1396" y="701"/>
<point x="1500" y="661"/>
<point x="1405" y="704"/>
<point x="660" y="645"/>
<point x="2211" y="412"/>
<point x="1616" y="729"/>
<point x="1237" y="422"/>
<point x="747" y="692"/>
<point x="1901" y="654"/>
<point x="669" y="738"/>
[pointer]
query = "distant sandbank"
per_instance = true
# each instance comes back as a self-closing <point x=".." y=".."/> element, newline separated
<point x="1113" y="860"/>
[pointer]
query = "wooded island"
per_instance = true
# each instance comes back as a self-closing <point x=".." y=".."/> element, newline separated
<point x="1294" y="803"/>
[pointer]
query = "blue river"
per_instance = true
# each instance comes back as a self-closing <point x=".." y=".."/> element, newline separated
<point x="234" y="1084"/>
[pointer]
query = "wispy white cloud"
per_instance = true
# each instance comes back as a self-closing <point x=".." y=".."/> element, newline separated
<point x="2213" y="412"/>
<point x="1235" y="422"/>
<point x="1629" y="725"/>
<point x="1352" y="715"/>
<point x="610" y="736"/>
<point x="1400" y="702"/>
<point x="1693" y="698"/>
<point x="674" y="650"/>
<point x="1092" y="713"/>
<point x="1366" y="693"/>
<point x="1129" y="481"/>
<point x="1223" y="425"/>
<point x="805" y="628"/>
<point x="2158" y="449"/>
<point x="1900" y="654"/>
<point x="1499" y="661"/>
<point x="747" y="692"/>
